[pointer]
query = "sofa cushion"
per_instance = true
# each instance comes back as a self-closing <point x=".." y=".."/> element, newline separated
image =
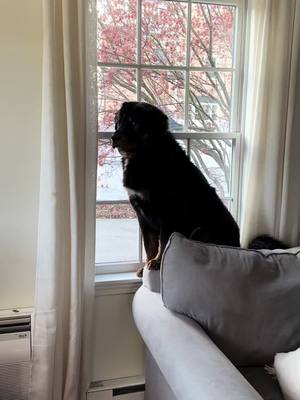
<point x="247" y="300"/>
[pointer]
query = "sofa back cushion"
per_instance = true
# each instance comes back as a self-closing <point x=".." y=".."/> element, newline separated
<point x="248" y="301"/>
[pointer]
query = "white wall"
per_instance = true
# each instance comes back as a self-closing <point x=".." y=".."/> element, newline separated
<point x="20" y="118"/>
<point x="118" y="350"/>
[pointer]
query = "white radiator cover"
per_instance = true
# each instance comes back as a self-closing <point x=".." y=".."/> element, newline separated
<point x="129" y="388"/>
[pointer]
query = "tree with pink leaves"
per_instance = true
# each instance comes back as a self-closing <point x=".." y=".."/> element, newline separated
<point x="158" y="63"/>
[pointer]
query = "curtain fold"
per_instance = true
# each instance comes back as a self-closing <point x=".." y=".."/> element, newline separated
<point x="289" y="227"/>
<point x="63" y="287"/>
<point x="270" y="193"/>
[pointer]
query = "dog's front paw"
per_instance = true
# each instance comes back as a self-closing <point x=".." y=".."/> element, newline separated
<point x="139" y="272"/>
<point x="153" y="264"/>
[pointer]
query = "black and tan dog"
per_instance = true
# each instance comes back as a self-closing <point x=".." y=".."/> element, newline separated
<point x="165" y="189"/>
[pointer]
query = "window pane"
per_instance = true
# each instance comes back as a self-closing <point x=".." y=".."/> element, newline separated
<point x="214" y="158"/>
<point x="117" y="231"/>
<point x="164" y="32"/>
<point x="117" y="31"/>
<point x="212" y="35"/>
<point x="117" y="234"/>
<point x="228" y="203"/>
<point x="115" y="85"/>
<point x="165" y="89"/>
<point x="109" y="174"/>
<point x="183" y="144"/>
<point x="210" y="101"/>
<point x="204" y="93"/>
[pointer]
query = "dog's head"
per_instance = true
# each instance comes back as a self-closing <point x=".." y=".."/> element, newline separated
<point x="138" y="125"/>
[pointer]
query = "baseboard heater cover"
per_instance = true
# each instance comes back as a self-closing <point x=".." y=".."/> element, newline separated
<point x="120" y="386"/>
<point x="128" y="390"/>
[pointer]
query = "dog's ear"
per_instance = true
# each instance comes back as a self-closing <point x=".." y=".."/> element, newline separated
<point x="151" y="118"/>
<point x="124" y="106"/>
<point x="123" y="109"/>
<point x="162" y="121"/>
<point x="127" y="107"/>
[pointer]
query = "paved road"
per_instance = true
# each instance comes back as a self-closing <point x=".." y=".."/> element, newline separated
<point x="116" y="240"/>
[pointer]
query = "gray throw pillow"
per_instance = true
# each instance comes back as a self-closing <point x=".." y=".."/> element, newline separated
<point x="248" y="301"/>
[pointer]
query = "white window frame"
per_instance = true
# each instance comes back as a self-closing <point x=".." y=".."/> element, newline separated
<point x="235" y="135"/>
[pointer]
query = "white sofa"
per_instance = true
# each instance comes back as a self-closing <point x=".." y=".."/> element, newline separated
<point x="182" y="362"/>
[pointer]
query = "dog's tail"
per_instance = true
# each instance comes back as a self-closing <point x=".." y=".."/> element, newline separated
<point x="267" y="242"/>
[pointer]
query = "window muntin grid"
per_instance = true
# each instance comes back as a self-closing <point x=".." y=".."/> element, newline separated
<point x="229" y="135"/>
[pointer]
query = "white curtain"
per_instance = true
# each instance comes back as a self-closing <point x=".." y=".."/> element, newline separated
<point x="271" y="193"/>
<point x="64" y="287"/>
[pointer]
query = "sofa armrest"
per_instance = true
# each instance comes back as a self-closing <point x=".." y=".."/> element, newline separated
<point x="190" y="362"/>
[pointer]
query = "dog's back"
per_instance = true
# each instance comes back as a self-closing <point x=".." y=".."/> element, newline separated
<point x="180" y="194"/>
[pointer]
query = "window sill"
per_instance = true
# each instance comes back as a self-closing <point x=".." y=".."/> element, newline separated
<point x="117" y="283"/>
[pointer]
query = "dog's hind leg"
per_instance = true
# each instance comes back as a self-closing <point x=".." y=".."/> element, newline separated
<point x="201" y="234"/>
